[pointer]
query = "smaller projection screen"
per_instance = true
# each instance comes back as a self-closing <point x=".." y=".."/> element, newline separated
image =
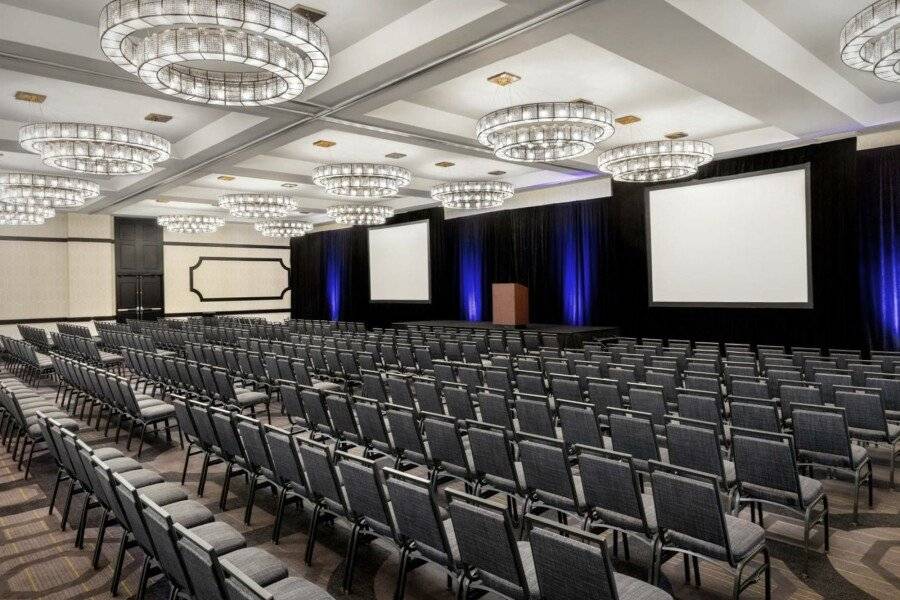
<point x="399" y="257"/>
<point x="740" y="241"/>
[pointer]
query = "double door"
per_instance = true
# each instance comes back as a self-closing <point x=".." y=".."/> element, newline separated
<point x="139" y="269"/>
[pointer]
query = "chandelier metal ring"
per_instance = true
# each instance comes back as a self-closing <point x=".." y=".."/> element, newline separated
<point x="257" y="206"/>
<point x="190" y="223"/>
<point x="360" y="214"/>
<point x="545" y="131"/>
<point x="276" y="52"/>
<point x="469" y="195"/>
<point x="57" y="191"/>
<point x="662" y="160"/>
<point x="97" y="149"/>
<point x="870" y="40"/>
<point x="368" y="180"/>
<point x="283" y="228"/>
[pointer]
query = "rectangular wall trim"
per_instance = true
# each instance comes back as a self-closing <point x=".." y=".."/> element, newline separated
<point x="56" y="320"/>
<point x="28" y="238"/>
<point x="230" y="312"/>
<point x="214" y="245"/>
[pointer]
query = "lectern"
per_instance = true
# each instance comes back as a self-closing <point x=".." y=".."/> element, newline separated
<point x="510" y="304"/>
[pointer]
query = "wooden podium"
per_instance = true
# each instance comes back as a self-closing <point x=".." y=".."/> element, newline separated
<point x="510" y="306"/>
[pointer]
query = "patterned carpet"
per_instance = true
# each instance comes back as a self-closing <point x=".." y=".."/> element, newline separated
<point x="37" y="560"/>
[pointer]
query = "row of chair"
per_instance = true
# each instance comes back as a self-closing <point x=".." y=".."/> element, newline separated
<point x="85" y="348"/>
<point x="25" y="359"/>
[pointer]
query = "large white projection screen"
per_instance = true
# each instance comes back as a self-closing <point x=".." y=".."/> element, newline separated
<point x="737" y="241"/>
<point x="399" y="256"/>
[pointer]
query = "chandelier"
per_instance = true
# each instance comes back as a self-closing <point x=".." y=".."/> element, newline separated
<point x="179" y="46"/>
<point x="97" y="149"/>
<point x="870" y="40"/>
<point x="361" y="179"/>
<point x="360" y="214"/>
<point x="257" y="206"/>
<point x="284" y="228"/>
<point x="545" y="131"/>
<point x="24" y="214"/>
<point x="662" y="160"/>
<point x="472" y="194"/>
<point x="57" y="191"/>
<point x="190" y="223"/>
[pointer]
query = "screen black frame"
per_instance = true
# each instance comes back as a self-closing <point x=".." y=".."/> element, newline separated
<point x="428" y="262"/>
<point x="805" y="167"/>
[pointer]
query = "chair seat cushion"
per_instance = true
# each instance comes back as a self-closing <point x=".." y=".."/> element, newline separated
<point x="875" y="435"/>
<point x="513" y="589"/>
<point x="858" y="456"/>
<point x="221" y="536"/>
<point x="327" y="385"/>
<point x="743" y="536"/>
<point x="165" y="493"/>
<point x="141" y="477"/>
<point x="810" y="491"/>
<point x="158" y="411"/>
<point x="189" y="513"/>
<point x="250" y="398"/>
<point x="630" y="588"/>
<point x="122" y="464"/>
<point x="297" y="588"/>
<point x="107" y="453"/>
<point x="258" y="565"/>
<point x="631" y="523"/>
<point x="34" y="429"/>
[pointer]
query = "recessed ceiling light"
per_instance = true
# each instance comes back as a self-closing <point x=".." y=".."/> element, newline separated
<point x="225" y="178"/>
<point x="444" y="163"/>
<point x="395" y="155"/>
<point x="158" y="118"/>
<point x="627" y="119"/>
<point x="310" y="13"/>
<point x="324" y="143"/>
<point x="503" y="79"/>
<point x="30" y="97"/>
<point x="676" y="135"/>
<point x="288" y="185"/>
<point x="496" y="172"/>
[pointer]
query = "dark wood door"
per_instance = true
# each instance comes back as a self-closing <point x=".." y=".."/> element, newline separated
<point x="139" y="269"/>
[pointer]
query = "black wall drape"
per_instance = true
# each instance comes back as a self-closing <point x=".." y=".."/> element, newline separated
<point x="586" y="262"/>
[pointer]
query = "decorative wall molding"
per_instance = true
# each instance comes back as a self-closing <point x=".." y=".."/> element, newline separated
<point x="201" y="260"/>
<point x="29" y="238"/>
<point x="56" y="320"/>
<point x="223" y="245"/>
<point x="231" y="312"/>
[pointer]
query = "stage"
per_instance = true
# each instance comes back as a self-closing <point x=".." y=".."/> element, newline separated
<point x="570" y="336"/>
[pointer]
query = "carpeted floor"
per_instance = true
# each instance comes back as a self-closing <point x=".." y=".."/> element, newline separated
<point x="37" y="560"/>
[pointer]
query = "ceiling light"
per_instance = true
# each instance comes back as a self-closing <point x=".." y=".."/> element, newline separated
<point x="545" y="131"/>
<point x="97" y="149"/>
<point x="30" y="97"/>
<point x="190" y="223"/>
<point x="676" y="135"/>
<point x="361" y="179"/>
<point x="496" y="172"/>
<point x="158" y="118"/>
<point x="283" y="228"/>
<point x="870" y="40"/>
<point x="226" y="178"/>
<point x="661" y="160"/>
<point x="57" y="191"/>
<point x="360" y="214"/>
<point x="289" y="185"/>
<point x="472" y="194"/>
<point x="24" y="214"/>
<point x="627" y="119"/>
<point x="395" y="155"/>
<point x="504" y="79"/>
<point x="312" y="14"/>
<point x="177" y="47"/>
<point x="444" y="164"/>
<point x="324" y="143"/>
<point x="257" y="206"/>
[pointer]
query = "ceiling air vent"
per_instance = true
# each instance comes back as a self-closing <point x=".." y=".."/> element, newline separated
<point x="310" y="13"/>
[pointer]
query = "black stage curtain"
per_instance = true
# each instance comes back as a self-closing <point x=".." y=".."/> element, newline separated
<point x="879" y="203"/>
<point x="835" y="320"/>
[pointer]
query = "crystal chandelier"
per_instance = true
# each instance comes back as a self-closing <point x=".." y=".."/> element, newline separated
<point x="178" y="47"/>
<point x="97" y="149"/>
<point x="545" y="131"/>
<point x="870" y="40"/>
<point x="190" y="223"/>
<point x="472" y="194"/>
<point x="284" y="228"/>
<point x="257" y="206"/>
<point x="366" y="180"/>
<point x="360" y="214"/>
<point x="57" y="191"/>
<point x="662" y="160"/>
<point x="24" y="214"/>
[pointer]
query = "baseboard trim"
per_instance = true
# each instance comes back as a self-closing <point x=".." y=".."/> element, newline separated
<point x="55" y="320"/>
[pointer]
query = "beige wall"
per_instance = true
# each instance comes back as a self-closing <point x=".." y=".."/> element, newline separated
<point x="58" y="279"/>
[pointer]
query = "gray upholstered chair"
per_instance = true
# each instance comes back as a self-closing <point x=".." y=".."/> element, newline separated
<point x="495" y="466"/>
<point x="695" y="445"/>
<point x="633" y="433"/>
<point x="288" y="473"/>
<point x="549" y="480"/>
<point x="755" y="413"/>
<point x="867" y="419"/>
<point x="323" y="485"/>
<point x="535" y="415"/>
<point x="579" y="423"/>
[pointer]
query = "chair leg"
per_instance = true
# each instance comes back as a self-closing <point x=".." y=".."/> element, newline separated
<point x="101" y="533"/>
<point x="279" y="515"/>
<point x="145" y="576"/>
<point x="120" y="560"/>
<point x="142" y="428"/>
<point x="696" y="562"/>
<point x="28" y="463"/>
<point x="313" y="529"/>
<point x="67" y="506"/>
<point x="82" y="522"/>
<point x="59" y="477"/>
<point x="187" y="458"/>
<point x="687" y="569"/>
<point x="252" y="497"/>
<point x="401" y="576"/>
<point x="350" y="560"/>
<point x="204" y="470"/>
<point x="225" y="486"/>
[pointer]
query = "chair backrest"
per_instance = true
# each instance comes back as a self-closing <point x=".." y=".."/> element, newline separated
<point x="201" y="561"/>
<point x="750" y="387"/>
<point x="534" y="415"/>
<point x="821" y="435"/>
<point x="417" y="515"/>
<point x="371" y="423"/>
<point x="604" y="393"/>
<point x="755" y="413"/>
<point x="229" y="441"/>
<point x="794" y="392"/>
<point x="168" y="557"/>
<point x="253" y="440"/>
<point x="695" y="445"/>
<point x="687" y="505"/>
<point x="632" y="432"/>
<point x="700" y="406"/>
<point x="364" y="488"/>
<point x="313" y="402"/>
<point x="492" y="452"/>
<point x="889" y="386"/>
<point x="864" y="408"/>
<point x="373" y="386"/>
<point x="285" y="457"/>
<point x="545" y="464"/>
<point x="648" y="399"/>
<point x="566" y="387"/>
<point x="321" y="477"/>
<point x="498" y="378"/>
<point x="611" y="488"/>
<point x="495" y="407"/>
<point x="580" y="423"/>
<point x="428" y="395"/>
<point x="766" y="461"/>
<point x="407" y="438"/>
<point x="530" y="382"/>
<point x="487" y="542"/>
<point x="445" y="443"/>
<point x="570" y="563"/>
<point x="400" y="390"/>
<point x="458" y="401"/>
<point x="829" y="380"/>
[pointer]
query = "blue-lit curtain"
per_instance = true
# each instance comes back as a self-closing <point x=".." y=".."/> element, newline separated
<point x="470" y="254"/>
<point x="879" y="207"/>
<point x="580" y="231"/>
<point x="334" y="274"/>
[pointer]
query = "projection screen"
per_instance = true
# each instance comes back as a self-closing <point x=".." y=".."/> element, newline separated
<point x="399" y="258"/>
<point x="731" y="241"/>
